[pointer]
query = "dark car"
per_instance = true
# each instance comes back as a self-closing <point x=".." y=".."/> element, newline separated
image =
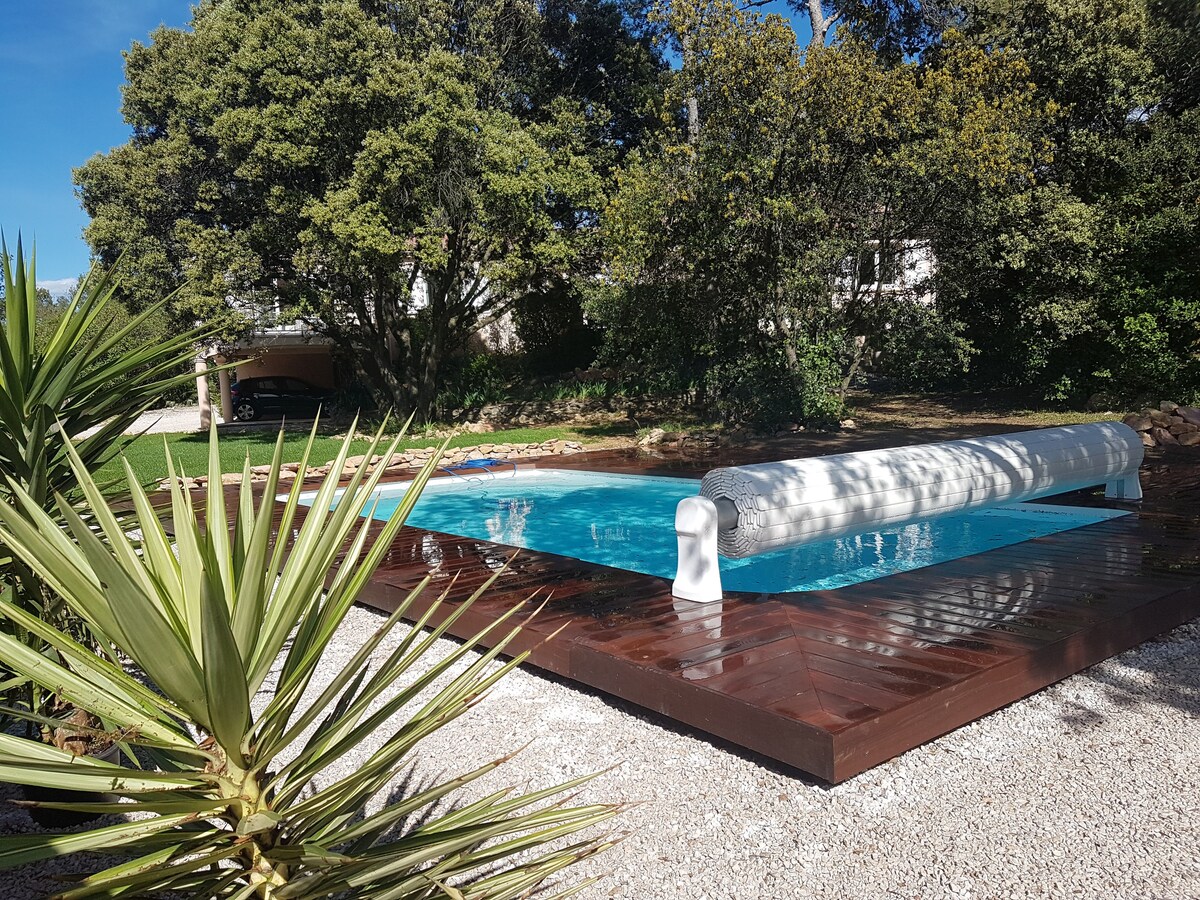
<point x="254" y="398"/>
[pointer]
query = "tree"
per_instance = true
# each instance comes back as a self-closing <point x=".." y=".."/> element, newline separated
<point x="801" y="162"/>
<point x="1082" y="282"/>
<point x="390" y="173"/>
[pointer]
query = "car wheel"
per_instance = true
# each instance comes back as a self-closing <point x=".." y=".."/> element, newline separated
<point x="245" y="411"/>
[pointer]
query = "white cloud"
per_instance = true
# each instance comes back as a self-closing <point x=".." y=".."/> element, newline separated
<point x="57" y="286"/>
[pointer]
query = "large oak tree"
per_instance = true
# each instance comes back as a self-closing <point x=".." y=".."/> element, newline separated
<point x="390" y="172"/>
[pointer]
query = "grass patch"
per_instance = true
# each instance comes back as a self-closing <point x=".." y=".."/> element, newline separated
<point x="146" y="457"/>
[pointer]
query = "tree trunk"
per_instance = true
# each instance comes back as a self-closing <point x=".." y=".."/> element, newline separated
<point x="431" y="364"/>
<point x="860" y="352"/>
<point x="820" y="22"/>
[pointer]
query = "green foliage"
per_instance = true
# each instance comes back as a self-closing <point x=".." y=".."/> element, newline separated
<point x="392" y="173"/>
<point x="554" y="335"/>
<point x="921" y="349"/>
<point x="68" y="373"/>
<point x="77" y="370"/>
<point x="154" y="328"/>
<point x="765" y="390"/>
<point x="728" y="243"/>
<point x="229" y="628"/>
<point x="1086" y="281"/>
<point x="477" y="380"/>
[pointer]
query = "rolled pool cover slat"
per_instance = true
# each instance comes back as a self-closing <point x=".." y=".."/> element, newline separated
<point x="803" y="500"/>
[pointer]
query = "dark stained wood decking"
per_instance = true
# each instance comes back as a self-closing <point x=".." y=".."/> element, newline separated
<point x="835" y="682"/>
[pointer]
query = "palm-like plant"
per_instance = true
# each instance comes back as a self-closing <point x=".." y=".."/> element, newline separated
<point x="235" y="807"/>
<point x="74" y="383"/>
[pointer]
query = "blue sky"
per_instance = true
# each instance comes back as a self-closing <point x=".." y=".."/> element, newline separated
<point x="61" y="71"/>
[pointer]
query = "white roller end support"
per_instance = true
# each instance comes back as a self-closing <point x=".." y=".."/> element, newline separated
<point x="698" y="576"/>
<point x="1127" y="488"/>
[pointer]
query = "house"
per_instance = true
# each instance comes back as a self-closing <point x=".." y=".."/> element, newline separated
<point x="902" y="270"/>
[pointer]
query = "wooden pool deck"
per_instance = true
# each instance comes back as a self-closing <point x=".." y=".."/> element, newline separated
<point x="835" y="682"/>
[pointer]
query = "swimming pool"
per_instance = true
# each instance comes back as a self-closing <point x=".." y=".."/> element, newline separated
<point x="627" y="521"/>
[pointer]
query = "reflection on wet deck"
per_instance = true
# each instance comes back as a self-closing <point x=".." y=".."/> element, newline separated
<point x="834" y="682"/>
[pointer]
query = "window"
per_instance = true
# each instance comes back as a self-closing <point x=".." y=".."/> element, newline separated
<point x="880" y="266"/>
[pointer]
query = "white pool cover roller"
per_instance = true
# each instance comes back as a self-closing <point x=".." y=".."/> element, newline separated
<point x="770" y="506"/>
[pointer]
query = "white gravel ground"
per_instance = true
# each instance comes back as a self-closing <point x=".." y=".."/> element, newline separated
<point x="1085" y="790"/>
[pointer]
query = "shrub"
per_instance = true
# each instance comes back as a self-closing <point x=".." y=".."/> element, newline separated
<point x="764" y="390"/>
<point x="921" y="349"/>
<point x="74" y="370"/>
<point x="473" y="381"/>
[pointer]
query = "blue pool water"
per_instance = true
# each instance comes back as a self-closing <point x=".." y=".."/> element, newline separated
<point x="628" y="521"/>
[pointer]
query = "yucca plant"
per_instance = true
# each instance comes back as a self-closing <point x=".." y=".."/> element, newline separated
<point x="73" y="383"/>
<point x="232" y="789"/>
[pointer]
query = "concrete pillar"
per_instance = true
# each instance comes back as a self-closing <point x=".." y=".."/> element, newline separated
<point x="202" y="393"/>
<point x="226" y="396"/>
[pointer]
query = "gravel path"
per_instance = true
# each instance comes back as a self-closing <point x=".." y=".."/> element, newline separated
<point x="169" y="420"/>
<point x="1087" y="789"/>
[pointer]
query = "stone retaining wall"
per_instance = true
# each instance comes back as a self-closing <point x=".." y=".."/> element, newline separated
<point x="404" y="463"/>
<point x="1168" y="426"/>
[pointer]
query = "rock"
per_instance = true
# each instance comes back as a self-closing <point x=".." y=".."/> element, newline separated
<point x="1138" y="422"/>
<point x="1160" y="418"/>
<point x="654" y="436"/>
<point x="287" y="474"/>
<point x="1168" y="406"/>
<point x="1147" y="439"/>
<point x="231" y="478"/>
<point x="479" y="427"/>
<point x="1182" y="427"/>
<point x="848" y="424"/>
<point x="1189" y="414"/>
<point x="260" y="470"/>
<point x="1162" y="436"/>
<point x="1191" y="439"/>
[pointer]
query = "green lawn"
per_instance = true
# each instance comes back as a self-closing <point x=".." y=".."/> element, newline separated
<point x="145" y="453"/>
